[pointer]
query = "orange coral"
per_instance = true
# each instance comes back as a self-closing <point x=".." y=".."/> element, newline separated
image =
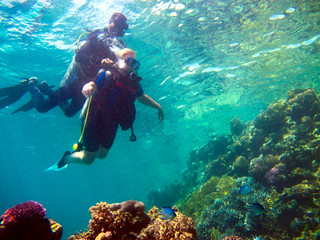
<point x="116" y="221"/>
<point x="127" y="220"/>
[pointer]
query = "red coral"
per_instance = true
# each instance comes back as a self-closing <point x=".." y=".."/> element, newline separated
<point x="28" y="221"/>
<point x="29" y="213"/>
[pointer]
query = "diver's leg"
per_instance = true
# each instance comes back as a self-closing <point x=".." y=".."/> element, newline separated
<point x="91" y="142"/>
<point x="82" y="157"/>
<point x="74" y="82"/>
<point x="102" y="153"/>
<point x="43" y="104"/>
<point x="39" y="100"/>
<point x="109" y="132"/>
<point x="75" y="105"/>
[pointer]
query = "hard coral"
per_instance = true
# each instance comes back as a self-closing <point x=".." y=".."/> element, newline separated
<point x="131" y="206"/>
<point x="28" y="221"/>
<point x="304" y="102"/>
<point x="273" y="119"/>
<point x="181" y="227"/>
<point x="232" y="238"/>
<point x="116" y="221"/>
<point x="273" y="175"/>
<point x="127" y="220"/>
<point x="236" y="127"/>
<point x="29" y="212"/>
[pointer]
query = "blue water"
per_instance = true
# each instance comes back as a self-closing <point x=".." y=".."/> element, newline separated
<point x="205" y="62"/>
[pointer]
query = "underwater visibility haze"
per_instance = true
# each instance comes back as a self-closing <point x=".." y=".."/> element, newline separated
<point x="207" y="62"/>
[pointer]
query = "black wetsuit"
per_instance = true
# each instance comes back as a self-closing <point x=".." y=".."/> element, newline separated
<point x="87" y="63"/>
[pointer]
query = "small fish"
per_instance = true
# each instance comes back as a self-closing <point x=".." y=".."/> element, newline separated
<point x="167" y="213"/>
<point x="290" y="10"/>
<point x="256" y="208"/>
<point x="277" y="17"/>
<point x="244" y="190"/>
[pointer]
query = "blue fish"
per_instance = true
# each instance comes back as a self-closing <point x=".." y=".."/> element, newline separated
<point x="244" y="190"/>
<point x="256" y="208"/>
<point x="167" y="213"/>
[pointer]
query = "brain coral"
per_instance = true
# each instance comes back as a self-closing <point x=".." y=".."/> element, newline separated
<point x="29" y="212"/>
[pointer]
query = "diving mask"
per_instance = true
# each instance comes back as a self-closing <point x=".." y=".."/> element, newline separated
<point x="133" y="63"/>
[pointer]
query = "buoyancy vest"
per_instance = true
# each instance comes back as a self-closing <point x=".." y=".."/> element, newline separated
<point x="116" y="99"/>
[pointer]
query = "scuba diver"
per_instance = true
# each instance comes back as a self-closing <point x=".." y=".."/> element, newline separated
<point x="9" y="95"/>
<point x="89" y="58"/>
<point x="110" y="104"/>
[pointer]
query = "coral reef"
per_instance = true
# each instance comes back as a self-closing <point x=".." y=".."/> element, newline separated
<point x="28" y="221"/>
<point x="276" y="157"/>
<point x="127" y="220"/>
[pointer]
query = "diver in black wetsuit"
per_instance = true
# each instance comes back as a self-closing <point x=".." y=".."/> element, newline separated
<point x="84" y="67"/>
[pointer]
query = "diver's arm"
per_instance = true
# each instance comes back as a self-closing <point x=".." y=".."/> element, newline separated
<point x="92" y="87"/>
<point x="148" y="101"/>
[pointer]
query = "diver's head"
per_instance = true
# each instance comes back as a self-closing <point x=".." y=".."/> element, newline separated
<point x="123" y="56"/>
<point x="127" y="60"/>
<point x="118" y="24"/>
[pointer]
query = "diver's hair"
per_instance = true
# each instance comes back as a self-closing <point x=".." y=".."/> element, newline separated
<point x="118" y="17"/>
<point x="125" y="51"/>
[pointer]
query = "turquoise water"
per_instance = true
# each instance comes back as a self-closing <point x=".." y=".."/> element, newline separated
<point x="205" y="62"/>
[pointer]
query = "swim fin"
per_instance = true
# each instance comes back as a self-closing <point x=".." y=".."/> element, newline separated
<point x="54" y="167"/>
<point x="24" y="108"/>
<point x="59" y="165"/>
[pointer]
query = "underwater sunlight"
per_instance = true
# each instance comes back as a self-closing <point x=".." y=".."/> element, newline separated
<point x="237" y="155"/>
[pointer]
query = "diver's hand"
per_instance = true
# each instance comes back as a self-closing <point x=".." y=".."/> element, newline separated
<point x="160" y="114"/>
<point x="89" y="89"/>
<point x="107" y="62"/>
